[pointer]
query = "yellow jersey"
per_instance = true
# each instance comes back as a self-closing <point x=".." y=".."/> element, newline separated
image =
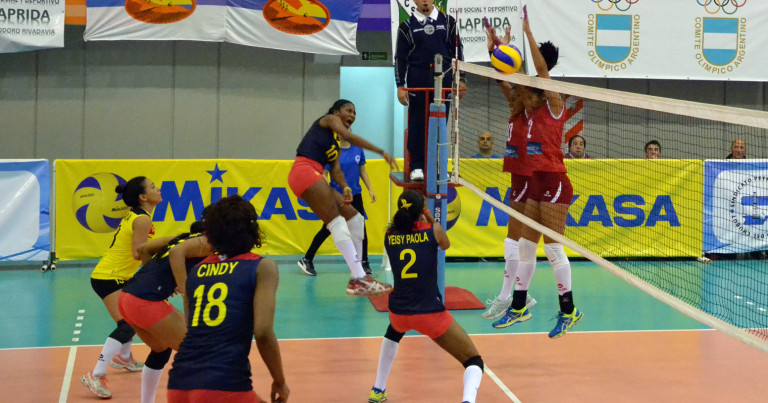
<point x="118" y="263"/>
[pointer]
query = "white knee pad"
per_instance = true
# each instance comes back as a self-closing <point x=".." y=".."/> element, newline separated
<point x="527" y="250"/>
<point x="511" y="249"/>
<point x="556" y="254"/>
<point x="356" y="226"/>
<point x="339" y="230"/>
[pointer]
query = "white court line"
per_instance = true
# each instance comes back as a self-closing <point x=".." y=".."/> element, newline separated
<point x="501" y="385"/>
<point x="68" y="375"/>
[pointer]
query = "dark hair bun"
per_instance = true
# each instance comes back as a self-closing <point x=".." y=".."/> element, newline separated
<point x="119" y="189"/>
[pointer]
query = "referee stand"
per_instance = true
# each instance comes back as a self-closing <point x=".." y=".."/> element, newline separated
<point x="436" y="178"/>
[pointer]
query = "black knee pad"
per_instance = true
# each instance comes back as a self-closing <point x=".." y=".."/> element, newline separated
<point x="157" y="360"/>
<point x="476" y="360"/>
<point x="393" y="334"/>
<point x="123" y="333"/>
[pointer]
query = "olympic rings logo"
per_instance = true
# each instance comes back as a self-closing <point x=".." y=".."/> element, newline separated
<point x="728" y="6"/>
<point x="607" y="5"/>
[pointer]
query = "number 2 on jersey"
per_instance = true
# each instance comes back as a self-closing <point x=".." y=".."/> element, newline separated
<point x="212" y="300"/>
<point x="412" y="259"/>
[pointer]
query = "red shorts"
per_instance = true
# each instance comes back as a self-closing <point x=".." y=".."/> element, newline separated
<point x="304" y="172"/>
<point x="432" y="325"/>
<point x="140" y="312"/>
<point x="521" y="188"/>
<point x="205" y="396"/>
<point x="551" y="187"/>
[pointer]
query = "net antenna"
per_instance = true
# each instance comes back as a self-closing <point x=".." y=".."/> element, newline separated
<point x="641" y="219"/>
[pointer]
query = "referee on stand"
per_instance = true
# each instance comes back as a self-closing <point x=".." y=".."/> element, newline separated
<point x="426" y="33"/>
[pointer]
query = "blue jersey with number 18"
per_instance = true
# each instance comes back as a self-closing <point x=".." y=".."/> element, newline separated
<point x="214" y="353"/>
<point x="413" y="256"/>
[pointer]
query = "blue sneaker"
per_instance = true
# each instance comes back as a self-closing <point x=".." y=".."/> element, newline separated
<point x="512" y="316"/>
<point x="376" y="395"/>
<point x="565" y="322"/>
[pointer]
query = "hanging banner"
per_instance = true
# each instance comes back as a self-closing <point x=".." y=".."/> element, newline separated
<point x="469" y="14"/>
<point x="662" y="39"/>
<point x="500" y="14"/>
<point x="31" y="24"/>
<point x="735" y="206"/>
<point x="25" y="194"/>
<point x="312" y="26"/>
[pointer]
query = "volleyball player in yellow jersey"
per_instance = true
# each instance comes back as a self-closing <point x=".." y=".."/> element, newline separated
<point x="117" y="265"/>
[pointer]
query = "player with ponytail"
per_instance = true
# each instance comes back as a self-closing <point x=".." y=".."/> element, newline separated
<point x="117" y="266"/>
<point x="415" y="302"/>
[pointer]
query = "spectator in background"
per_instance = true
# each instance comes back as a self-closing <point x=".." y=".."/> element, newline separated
<point x="577" y="148"/>
<point x="652" y="150"/>
<point x="485" y="146"/>
<point x="738" y="150"/>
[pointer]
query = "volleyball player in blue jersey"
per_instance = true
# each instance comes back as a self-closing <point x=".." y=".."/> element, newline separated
<point x="415" y="302"/>
<point x="144" y="303"/>
<point x="230" y="300"/>
<point x="320" y="146"/>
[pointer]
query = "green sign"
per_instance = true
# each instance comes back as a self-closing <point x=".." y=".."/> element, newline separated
<point x="374" y="56"/>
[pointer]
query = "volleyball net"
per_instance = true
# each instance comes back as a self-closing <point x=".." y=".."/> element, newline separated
<point x="689" y="228"/>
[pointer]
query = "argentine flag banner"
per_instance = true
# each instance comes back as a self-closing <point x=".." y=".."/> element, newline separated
<point x="312" y="26"/>
<point x="716" y="40"/>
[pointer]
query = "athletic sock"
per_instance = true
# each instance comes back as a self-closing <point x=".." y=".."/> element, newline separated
<point x="150" y="379"/>
<point x="343" y="241"/>
<point x="125" y="349"/>
<point x="511" y="262"/>
<point x="356" y="227"/>
<point x="472" y="377"/>
<point x="111" y="346"/>
<point x="566" y="303"/>
<point x="386" y="359"/>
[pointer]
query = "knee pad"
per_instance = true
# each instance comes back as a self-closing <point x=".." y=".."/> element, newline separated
<point x="527" y="250"/>
<point x="556" y="254"/>
<point x="123" y="333"/>
<point x="476" y="360"/>
<point x="158" y="360"/>
<point x="511" y="249"/>
<point x="339" y="230"/>
<point x="393" y="334"/>
<point x="356" y="226"/>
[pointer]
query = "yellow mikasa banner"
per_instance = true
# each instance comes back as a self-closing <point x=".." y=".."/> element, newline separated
<point x="86" y="213"/>
<point x="618" y="211"/>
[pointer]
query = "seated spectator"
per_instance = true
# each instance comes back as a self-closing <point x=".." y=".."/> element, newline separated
<point x="577" y="148"/>
<point x="485" y="146"/>
<point x="738" y="150"/>
<point x="652" y="150"/>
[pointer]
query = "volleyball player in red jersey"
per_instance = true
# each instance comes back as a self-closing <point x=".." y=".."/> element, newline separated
<point x="514" y="163"/>
<point x="320" y="146"/>
<point x="550" y="195"/>
<point x="415" y="303"/>
<point x="230" y="301"/>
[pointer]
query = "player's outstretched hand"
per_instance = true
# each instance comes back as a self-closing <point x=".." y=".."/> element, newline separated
<point x="391" y="161"/>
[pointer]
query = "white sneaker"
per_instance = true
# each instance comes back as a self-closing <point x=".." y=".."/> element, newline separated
<point x="417" y="175"/>
<point x="529" y="301"/>
<point x="496" y="308"/>
<point x="128" y="364"/>
<point x="97" y="385"/>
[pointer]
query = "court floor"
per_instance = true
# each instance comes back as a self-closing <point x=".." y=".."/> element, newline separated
<point x="629" y="347"/>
